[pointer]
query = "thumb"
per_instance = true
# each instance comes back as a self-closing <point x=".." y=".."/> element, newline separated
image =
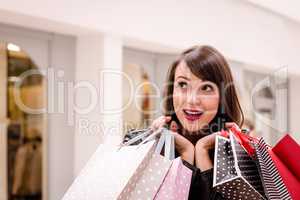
<point x="167" y="119"/>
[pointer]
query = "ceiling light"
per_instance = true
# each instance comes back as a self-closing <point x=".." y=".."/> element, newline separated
<point x="13" y="47"/>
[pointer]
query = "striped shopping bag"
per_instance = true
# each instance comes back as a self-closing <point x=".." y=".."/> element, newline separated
<point x="273" y="184"/>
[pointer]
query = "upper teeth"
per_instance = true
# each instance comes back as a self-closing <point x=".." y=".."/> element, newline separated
<point x="193" y="112"/>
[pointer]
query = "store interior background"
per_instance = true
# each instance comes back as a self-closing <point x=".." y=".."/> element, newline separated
<point x="73" y="41"/>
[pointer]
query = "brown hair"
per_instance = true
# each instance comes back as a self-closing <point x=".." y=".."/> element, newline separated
<point x="208" y="64"/>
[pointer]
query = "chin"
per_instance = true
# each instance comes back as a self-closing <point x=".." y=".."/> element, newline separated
<point x="193" y="127"/>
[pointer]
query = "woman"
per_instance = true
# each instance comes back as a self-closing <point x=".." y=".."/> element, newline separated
<point x="200" y="100"/>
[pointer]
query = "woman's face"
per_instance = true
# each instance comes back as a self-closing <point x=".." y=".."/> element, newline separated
<point x="195" y="101"/>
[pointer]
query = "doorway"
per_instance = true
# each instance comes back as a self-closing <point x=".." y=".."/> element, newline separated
<point x="23" y="138"/>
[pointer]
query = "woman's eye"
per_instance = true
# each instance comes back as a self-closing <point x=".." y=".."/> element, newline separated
<point x="207" y="88"/>
<point x="182" y="84"/>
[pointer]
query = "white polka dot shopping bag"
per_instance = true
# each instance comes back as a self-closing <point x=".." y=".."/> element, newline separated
<point x="159" y="181"/>
<point x="236" y="174"/>
<point x="176" y="185"/>
<point x="130" y="172"/>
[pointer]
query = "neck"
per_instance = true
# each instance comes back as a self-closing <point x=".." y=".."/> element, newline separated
<point x="194" y="136"/>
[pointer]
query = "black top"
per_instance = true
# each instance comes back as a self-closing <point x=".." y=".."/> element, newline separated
<point x="201" y="183"/>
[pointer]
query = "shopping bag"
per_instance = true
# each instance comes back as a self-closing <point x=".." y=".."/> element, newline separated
<point x="109" y="172"/>
<point x="147" y="182"/>
<point x="286" y="158"/>
<point x="119" y="172"/>
<point x="288" y="151"/>
<point x="177" y="182"/>
<point x="236" y="175"/>
<point x="274" y="186"/>
<point x="243" y="139"/>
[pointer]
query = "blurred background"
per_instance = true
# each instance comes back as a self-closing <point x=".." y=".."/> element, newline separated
<point x="75" y="74"/>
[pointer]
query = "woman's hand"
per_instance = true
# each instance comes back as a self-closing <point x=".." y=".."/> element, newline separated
<point x="184" y="147"/>
<point x="202" y="147"/>
<point x="230" y="125"/>
<point x="160" y="122"/>
<point x="205" y="144"/>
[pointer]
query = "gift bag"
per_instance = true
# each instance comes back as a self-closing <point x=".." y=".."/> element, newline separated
<point x="286" y="157"/>
<point x="116" y="173"/>
<point x="243" y="139"/>
<point x="176" y="185"/>
<point x="273" y="184"/>
<point x="236" y="175"/>
<point x="109" y="172"/>
<point x="146" y="183"/>
<point x="288" y="151"/>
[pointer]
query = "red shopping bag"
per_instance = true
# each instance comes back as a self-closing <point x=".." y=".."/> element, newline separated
<point x="244" y="140"/>
<point x="288" y="151"/>
<point x="286" y="157"/>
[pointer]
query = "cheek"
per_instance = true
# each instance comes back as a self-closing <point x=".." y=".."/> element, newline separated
<point x="178" y="101"/>
<point x="211" y="104"/>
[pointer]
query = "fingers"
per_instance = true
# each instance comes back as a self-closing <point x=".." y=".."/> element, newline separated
<point x="167" y="119"/>
<point x="160" y="122"/>
<point x="230" y="125"/>
<point x="156" y="122"/>
<point x="223" y="133"/>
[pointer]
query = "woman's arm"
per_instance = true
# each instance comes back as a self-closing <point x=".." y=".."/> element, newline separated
<point x="202" y="159"/>
<point x="183" y="146"/>
<point x="204" y="145"/>
<point x="202" y="148"/>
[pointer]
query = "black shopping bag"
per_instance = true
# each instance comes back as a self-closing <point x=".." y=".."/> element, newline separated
<point x="236" y="174"/>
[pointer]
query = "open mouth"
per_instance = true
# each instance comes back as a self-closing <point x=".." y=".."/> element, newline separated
<point x="192" y="115"/>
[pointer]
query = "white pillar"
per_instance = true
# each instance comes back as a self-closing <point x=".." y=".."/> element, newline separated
<point x="111" y="89"/>
<point x="294" y="105"/>
<point x="99" y="63"/>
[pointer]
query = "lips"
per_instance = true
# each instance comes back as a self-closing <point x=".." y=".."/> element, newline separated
<point x="192" y="115"/>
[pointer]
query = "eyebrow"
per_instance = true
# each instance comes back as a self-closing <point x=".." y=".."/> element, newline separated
<point x="186" y="78"/>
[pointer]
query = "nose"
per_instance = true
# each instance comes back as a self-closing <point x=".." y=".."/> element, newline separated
<point x="193" y="98"/>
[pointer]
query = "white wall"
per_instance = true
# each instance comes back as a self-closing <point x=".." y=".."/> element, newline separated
<point x="242" y="31"/>
<point x="89" y="56"/>
<point x="60" y="134"/>
<point x="288" y="8"/>
<point x="294" y="106"/>
<point x="96" y="53"/>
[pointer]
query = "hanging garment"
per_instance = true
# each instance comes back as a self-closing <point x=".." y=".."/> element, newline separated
<point x="28" y="170"/>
